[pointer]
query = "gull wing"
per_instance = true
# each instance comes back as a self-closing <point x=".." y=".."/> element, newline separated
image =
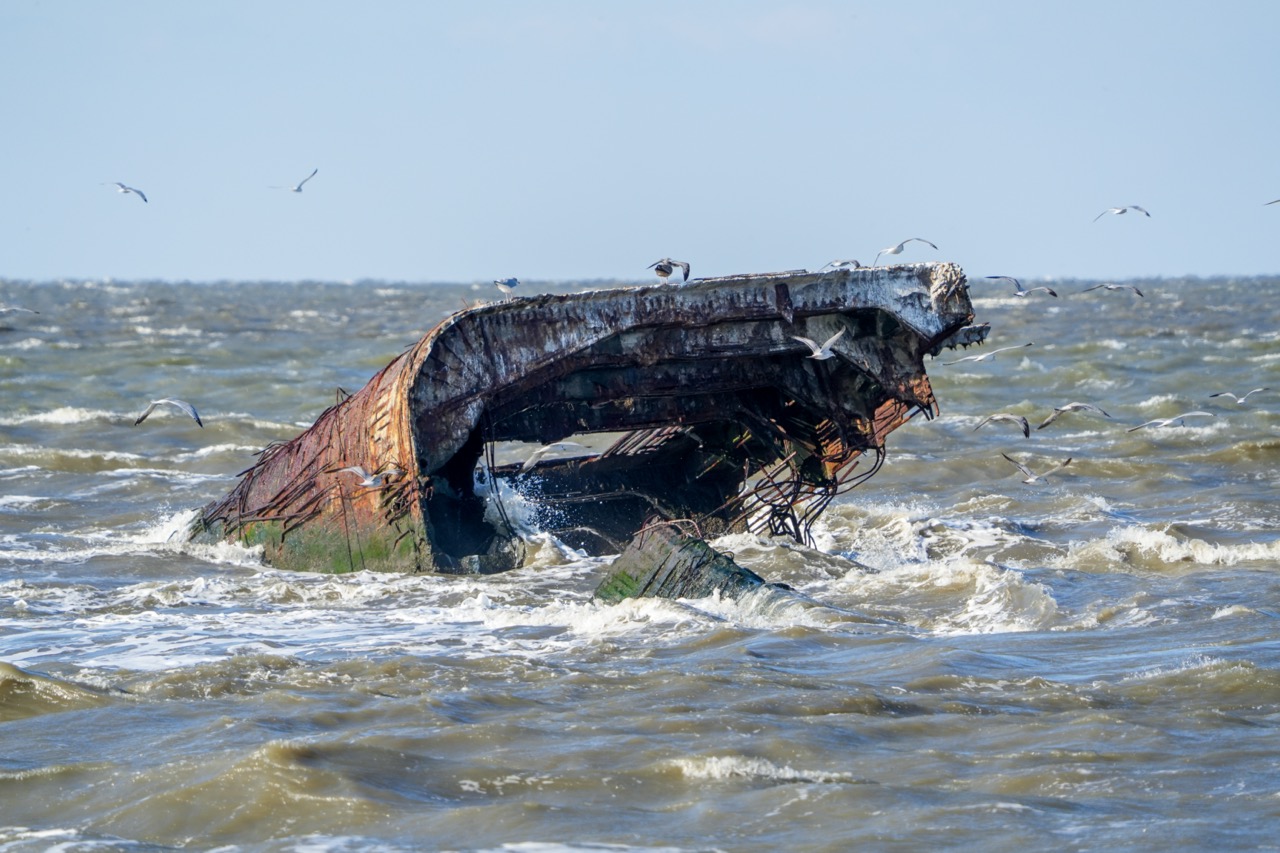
<point x="1020" y="421"/>
<point x="181" y="405"/>
<point x="826" y="345"/>
<point x="1023" y="468"/>
<point x="809" y="342"/>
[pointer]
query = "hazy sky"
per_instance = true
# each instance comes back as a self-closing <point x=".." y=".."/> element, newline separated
<point x="579" y="140"/>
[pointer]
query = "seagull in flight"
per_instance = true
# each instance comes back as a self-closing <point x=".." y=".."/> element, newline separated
<point x="1019" y="290"/>
<point x="126" y="189"/>
<point x="820" y="351"/>
<point x="372" y="481"/>
<point x="507" y="285"/>
<point x="181" y="405"/>
<point x="9" y="309"/>
<point x="1059" y="411"/>
<point x="297" y="188"/>
<point x="1176" y="419"/>
<point x="851" y="264"/>
<point x="1239" y="400"/>
<point x="1113" y="287"/>
<point x="1031" y="477"/>
<point x="1277" y="201"/>
<point x="986" y="355"/>
<point x="666" y="266"/>
<point x="1120" y="210"/>
<point x="1018" y="420"/>
<point x="897" y="250"/>
<point x="536" y="455"/>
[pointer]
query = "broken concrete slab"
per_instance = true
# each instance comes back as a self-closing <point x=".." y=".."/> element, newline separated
<point x="663" y="562"/>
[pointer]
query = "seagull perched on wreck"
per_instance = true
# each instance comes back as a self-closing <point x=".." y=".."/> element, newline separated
<point x="1239" y="400"/>
<point x="1113" y="287"/>
<point x="372" y="481"/>
<point x="1019" y="290"/>
<point x="181" y="405"/>
<point x="1059" y="411"/>
<point x="822" y="351"/>
<point x="1176" y="419"/>
<point x="897" y="250"/>
<point x="507" y="285"/>
<point x="1032" y="477"/>
<point x="297" y="188"/>
<point x="986" y="355"/>
<point x="666" y="266"/>
<point x="1017" y="420"/>
<point x="126" y="189"/>
<point x="1120" y="210"/>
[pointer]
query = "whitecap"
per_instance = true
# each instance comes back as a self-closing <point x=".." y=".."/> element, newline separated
<point x="1157" y="548"/>
<point x="171" y="474"/>
<point x="213" y="449"/>
<point x="166" y="535"/>
<point x="25" y="344"/>
<point x="178" y="332"/>
<point x="61" y="415"/>
<point x="764" y="608"/>
<point x="257" y="422"/>
<point x="20" y="501"/>
<point x="723" y="768"/>
<point x="1161" y="400"/>
<point x="958" y="596"/>
<point x="22" y="450"/>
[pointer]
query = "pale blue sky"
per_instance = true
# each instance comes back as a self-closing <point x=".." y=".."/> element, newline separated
<point x="579" y="140"/>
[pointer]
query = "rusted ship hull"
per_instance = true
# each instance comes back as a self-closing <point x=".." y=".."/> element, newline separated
<point x="725" y="420"/>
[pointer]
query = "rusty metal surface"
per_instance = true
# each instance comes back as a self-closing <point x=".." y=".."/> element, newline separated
<point x="706" y="372"/>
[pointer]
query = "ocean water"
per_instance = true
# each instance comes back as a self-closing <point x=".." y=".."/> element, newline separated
<point x="1090" y="661"/>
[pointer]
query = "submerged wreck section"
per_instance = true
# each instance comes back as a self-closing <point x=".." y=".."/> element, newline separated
<point x="663" y="562"/>
<point x="716" y="412"/>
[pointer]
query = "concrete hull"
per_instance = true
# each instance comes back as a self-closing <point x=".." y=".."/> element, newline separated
<point x="726" y="421"/>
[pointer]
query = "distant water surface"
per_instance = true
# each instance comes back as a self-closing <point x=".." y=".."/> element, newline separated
<point x="1091" y="662"/>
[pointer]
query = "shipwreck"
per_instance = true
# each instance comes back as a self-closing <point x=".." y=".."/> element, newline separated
<point x="691" y="404"/>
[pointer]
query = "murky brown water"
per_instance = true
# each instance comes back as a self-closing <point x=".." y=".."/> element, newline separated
<point x="984" y="664"/>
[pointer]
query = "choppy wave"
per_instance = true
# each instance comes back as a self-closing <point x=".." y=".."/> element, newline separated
<point x="178" y="332"/>
<point x="27" y="694"/>
<point x="1068" y="658"/>
<point x="16" y="839"/>
<point x="66" y="415"/>
<point x="7" y="501"/>
<point x="24" y="344"/>
<point x="1209" y="684"/>
<point x="720" y="768"/>
<point x="162" y="537"/>
<point x="1157" y="549"/>
<point x="958" y="596"/>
